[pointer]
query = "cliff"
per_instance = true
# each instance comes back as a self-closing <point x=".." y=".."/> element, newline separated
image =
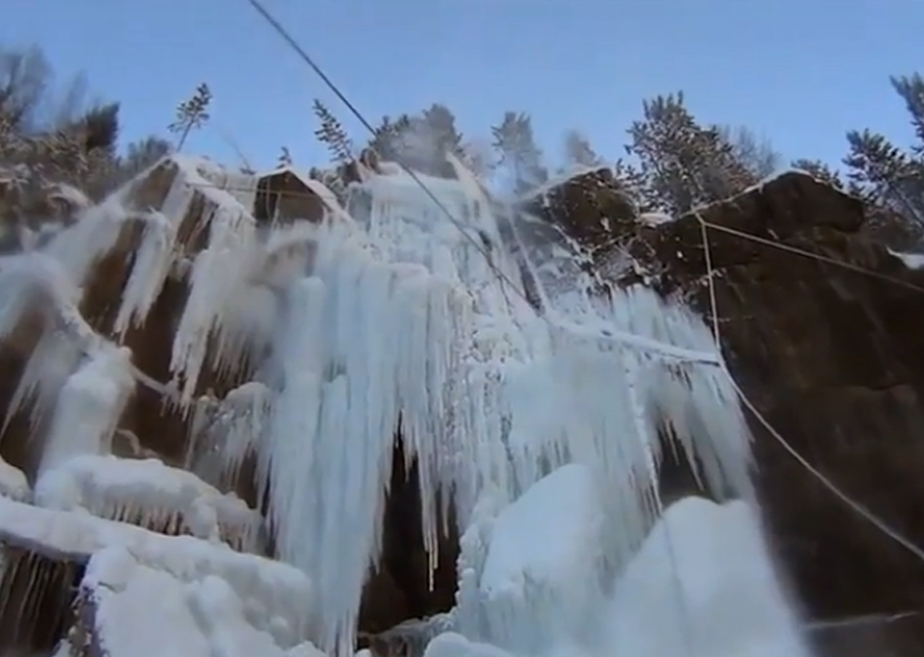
<point x="169" y="295"/>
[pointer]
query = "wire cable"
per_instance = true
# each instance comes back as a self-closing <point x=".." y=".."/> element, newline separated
<point x="665" y="350"/>
<point x="808" y="254"/>
<point x="869" y="516"/>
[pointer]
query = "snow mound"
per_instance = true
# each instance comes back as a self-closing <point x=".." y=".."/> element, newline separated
<point x="141" y="611"/>
<point x="545" y="562"/>
<point x="149" y="494"/>
<point x="276" y="589"/>
<point x="703" y="585"/>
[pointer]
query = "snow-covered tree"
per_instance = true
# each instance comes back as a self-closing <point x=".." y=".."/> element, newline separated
<point x="911" y="89"/>
<point x="420" y="141"/>
<point x="25" y="76"/>
<point x="886" y="174"/>
<point x="191" y="114"/>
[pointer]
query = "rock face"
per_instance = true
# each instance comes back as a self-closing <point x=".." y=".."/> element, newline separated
<point x="834" y="359"/>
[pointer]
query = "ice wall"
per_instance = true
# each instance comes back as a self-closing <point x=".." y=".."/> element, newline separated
<point x="421" y="323"/>
<point x="397" y="319"/>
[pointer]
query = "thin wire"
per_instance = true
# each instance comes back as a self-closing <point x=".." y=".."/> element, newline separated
<point x="703" y="224"/>
<point x="664" y="350"/>
<point x="808" y="254"/>
<point x="276" y="25"/>
<point x="725" y="229"/>
<point x="849" y="501"/>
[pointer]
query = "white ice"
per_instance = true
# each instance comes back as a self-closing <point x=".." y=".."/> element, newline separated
<point x="910" y="260"/>
<point x="13" y="483"/>
<point x="278" y="596"/>
<point x="144" y="611"/>
<point x="702" y="584"/>
<point x="150" y="494"/>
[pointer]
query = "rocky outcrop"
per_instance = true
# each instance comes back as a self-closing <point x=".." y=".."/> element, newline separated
<point x="832" y="357"/>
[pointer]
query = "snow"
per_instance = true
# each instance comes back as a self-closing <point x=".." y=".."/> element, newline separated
<point x="13" y="483"/>
<point x="281" y="596"/>
<point x="151" y="495"/>
<point x="142" y="611"/>
<point x="554" y="182"/>
<point x="545" y="563"/>
<point x="88" y="408"/>
<point x="910" y="260"/>
<point x="730" y="601"/>
<point x="409" y="319"/>
<point x="655" y="218"/>
<point x="702" y="584"/>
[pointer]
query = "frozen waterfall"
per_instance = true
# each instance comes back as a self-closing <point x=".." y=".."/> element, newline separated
<point x="405" y="323"/>
<point x="543" y="429"/>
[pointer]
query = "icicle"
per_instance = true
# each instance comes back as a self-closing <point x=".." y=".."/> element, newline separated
<point x="89" y="407"/>
<point x="219" y="272"/>
<point x="152" y="263"/>
<point x="223" y="433"/>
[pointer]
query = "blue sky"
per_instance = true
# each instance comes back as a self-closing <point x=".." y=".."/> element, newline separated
<point x="801" y="72"/>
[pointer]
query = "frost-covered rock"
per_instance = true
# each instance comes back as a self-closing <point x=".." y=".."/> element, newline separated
<point x="151" y="495"/>
<point x="141" y="611"/>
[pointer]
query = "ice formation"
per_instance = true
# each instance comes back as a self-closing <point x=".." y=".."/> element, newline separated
<point x="701" y="585"/>
<point x="13" y="483"/>
<point x="279" y="596"/>
<point x="392" y="319"/>
<point x="144" y="611"/>
<point x="150" y="494"/>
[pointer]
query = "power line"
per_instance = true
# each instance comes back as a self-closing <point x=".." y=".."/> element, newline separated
<point x="276" y="25"/>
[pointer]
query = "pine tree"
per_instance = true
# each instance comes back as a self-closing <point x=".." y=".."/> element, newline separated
<point x="911" y="89"/>
<point x="885" y="174"/>
<point x="100" y="126"/>
<point x="387" y="139"/>
<point x="681" y="163"/>
<point x="332" y="134"/>
<point x="419" y="142"/>
<point x="284" y="159"/>
<point x="516" y="145"/>
<point x="191" y="114"/>
<point x="578" y="150"/>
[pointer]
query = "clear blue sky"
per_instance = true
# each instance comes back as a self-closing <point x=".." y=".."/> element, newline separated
<point x="802" y="72"/>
